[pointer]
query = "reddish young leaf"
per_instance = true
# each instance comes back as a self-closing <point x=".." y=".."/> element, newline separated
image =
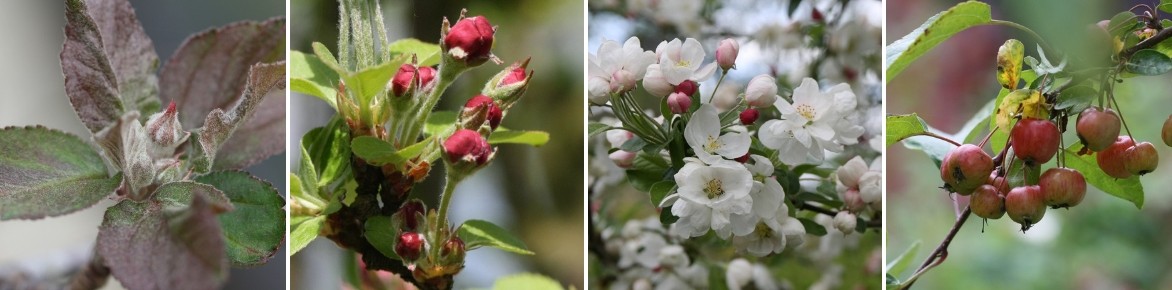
<point x="221" y="124"/>
<point x="39" y="181"/>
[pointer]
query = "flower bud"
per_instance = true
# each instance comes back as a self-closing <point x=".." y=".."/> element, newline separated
<point x="426" y="76"/>
<point x="654" y="82"/>
<point x="845" y="222"/>
<point x="687" y="87"/>
<point x="622" y="81"/>
<point x="509" y="84"/>
<point x="411" y="211"/>
<point x="478" y="110"/>
<point x="165" y="132"/>
<point x="742" y="159"/>
<point x="679" y="103"/>
<point x="470" y="40"/>
<point x="726" y="53"/>
<point x="453" y="250"/>
<point x="761" y="92"/>
<point x="623" y="158"/>
<point x="403" y="82"/>
<point x="467" y="146"/>
<point x="617" y="137"/>
<point x="410" y="245"/>
<point x="749" y="116"/>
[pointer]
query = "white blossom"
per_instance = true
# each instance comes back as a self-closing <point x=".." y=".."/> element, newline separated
<point x="762" y="91"/>
<point x="615" y="69"/>
<point x="709" y="194"/>
<point x="703" y="134"/>
<point x="681" y="61"/>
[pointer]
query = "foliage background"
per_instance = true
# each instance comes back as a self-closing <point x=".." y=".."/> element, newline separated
<point x="33" y="31"/>
<point x="533" y="192"/>
<point x="1104" y="243"/>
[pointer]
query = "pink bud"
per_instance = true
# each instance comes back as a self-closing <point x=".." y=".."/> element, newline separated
<point x="164" y="129"/>
<point x="515" y="76"/>
<point x="410" y="245"/>
<point x="743" y="159"/>
<point x="409" y="211"/>
<point x="749" y="116"/>
<point x="726" y="53"/>
<point x="622" y="81"/>
<point x="817" y="15"/>
<point x="404" y="80"/>
<point x="426" y="75"/>
<point x="761" y="91"/>
<point x="493" y="114"/>
<point x="623" y="158"/>
<point x="687" y="87"/>
<point x="679" y="103"/>
<point x="470" y="40"/>
<point x="468" y="146"/>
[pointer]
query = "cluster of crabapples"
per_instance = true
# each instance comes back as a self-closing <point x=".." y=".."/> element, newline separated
<point x="969" y="170"/>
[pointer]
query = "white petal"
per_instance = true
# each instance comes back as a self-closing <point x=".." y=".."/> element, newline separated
<point x="704" y="72"/>
<point x="692" y="51"/>
<point x="734" y="145"/>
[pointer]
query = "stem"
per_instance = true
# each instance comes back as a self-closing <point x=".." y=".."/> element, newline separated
<point x="446" y="199"/>
<point x="1147" y="43"/>
<point x="718" y="82"/>
<point x="1121" y="119"/>
<point x="941" y="251"/>
<point x="814" y="208"/>
<point x="934" y="135"/>
<point x="447" y="74"/>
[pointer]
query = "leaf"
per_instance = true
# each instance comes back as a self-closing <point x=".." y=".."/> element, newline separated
<point x="1009" y="58"/>
<point x="660" y="190"/>
<point x="595" y="128"/>
<point x="329" y="148"/>
<point x="260" y="137"/>
<point x="302" y="231"/>
<point x="1122" y="23"/>
<point x="1148" y="62"/>
<point x="937" y="29"/>
<point x="812" y="227"/>
<point x="211" y="69"/>
<point x="307" y="174"/>
<point x="379" y="152"/>
<point x="903" y="126"/>
<point x="440" y="123"/>
<point x="382" y="234"/>
<point x="1077" y="98"/>
<point x="255" y="228"/>
<point x="642" y="180"/>
<point x="477" y="233"/>
<point x="1129" y="189"/>
<point x="899" y="263"/>
<point x="169" y="240"/>
<point x="372" y="80"/>
<point x="526" y="281"/>
<point x="220" y="124"/>
<point x="108" y="62"/>
<point x="428" y="54"/>
<point x="45" y="173"/>
<point x="309" y="75"/>
<point x="532" y="138"/>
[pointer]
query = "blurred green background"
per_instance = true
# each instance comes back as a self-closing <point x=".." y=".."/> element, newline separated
<point x="33" y="31"/>
<point x="533" y="192"/>
<point x="1104" y="243"/>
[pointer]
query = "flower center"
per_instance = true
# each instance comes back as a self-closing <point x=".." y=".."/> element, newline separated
<point x="806" y="111"/>
<point x="712" y="145"/>
<point x="683" y="63"/>
<point x="714" y="188"/>
<point x="763" y="231"/>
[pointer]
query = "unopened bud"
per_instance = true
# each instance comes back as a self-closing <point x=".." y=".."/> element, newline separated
<point x="687" y="87"/>
<point x="479" y="110"/>
<point x="845" y="222"/>
<point x="726" y="53"/>
<point x="749" y="116"/>
<point x="403" y="82"/>
<point x="467" y="146"/>
<point x="761" y="91"/>
<point x="164" y="128"/>
<point x="509" y="85"/>
<point x="453" y="250"/>
<point x="622" y="158"/>
<point x="679" y="103"/>
<point x="410" y="211"/>
<point x="410" y="245"/>
<point x="470" y="40"/>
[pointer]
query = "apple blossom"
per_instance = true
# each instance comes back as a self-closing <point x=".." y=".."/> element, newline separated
<point x="703" y="134"/>
<point x="726" y="53"/>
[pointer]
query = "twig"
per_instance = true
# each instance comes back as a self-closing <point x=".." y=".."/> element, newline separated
<point x="941" y="251"/>
<point x="810" y="207"/>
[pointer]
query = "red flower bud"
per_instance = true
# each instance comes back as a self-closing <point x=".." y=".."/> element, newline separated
<point x="410" y="245"/>
<point x="467" y="145"/>
<point x="679" y="103"/>
<point x="426" y="75"/>
<point x="483" y="104"/>
<point x="748" y="116"/>
<point x="470" y="40"/>
<point x="404" y="80"/>
<point x="515" y="76"/>
<point x="453" y="248"/>
<point x="743" y="159"/>
<point x="410" y="212"/>
<point x="687" y="87"/>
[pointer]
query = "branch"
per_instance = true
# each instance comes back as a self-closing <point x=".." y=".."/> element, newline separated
<point x="941" y="251"/>
<point x="1147" y="43"/>
<point x="873" y="223"/>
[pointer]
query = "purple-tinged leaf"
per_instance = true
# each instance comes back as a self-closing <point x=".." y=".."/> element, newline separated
<point x="127" y="146"/>
<point x="108" y="61"/>
<point x="45" y="172"/>
<point x="171" y="241"/>
<point x="210" y="69"/>
<point x="258" y="138"/>
<point x="220" y="124"/>
<point x="255" y="228"/>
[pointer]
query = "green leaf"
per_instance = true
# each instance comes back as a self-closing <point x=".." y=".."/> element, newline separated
<point x="379" y="152"/>
<point x="382" y="234"/>
<point x="595" y="128"/>
<point x="1129" y="189"/>
<point x="45" y="173"/>
<point x="427" y="54"/>
<point x="1148" y="62"/>
<point x="307" y="174"/>
<point x="937" y="29"/>
<point x="440" y="123"/>
<point x="1077" y="98"/>
<point x="526" y="281"/>
<point x="477" y="233"/>
<point x="903" y="126"/>
<point x="171" y="239"/>
<point x="717" y="277"/>
<point x="660" y="190"/>
<point x="532" y="138"/>
<point x="309" y="75"/>
<point x="372" y="80"/>
<point x="329" y="148"/>
<point x="899" y="263"/>
<point x="302" y="231"/>
<point x="1165" y="5"/>
<point x="1122" y="23"/>
<point x="812" y="227"/>
<point x="109" y="62"/>
<point x="255" y="228"/>
<point x="642" y="180"/>
<point x="220" y="124"/>
<point x="327" y="58"/>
